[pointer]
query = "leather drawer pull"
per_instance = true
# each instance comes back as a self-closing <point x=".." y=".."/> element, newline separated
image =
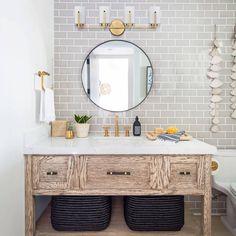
<point x="184" y="173"/>
<point x="51" y="173"/>
<point x="118" y="173"/>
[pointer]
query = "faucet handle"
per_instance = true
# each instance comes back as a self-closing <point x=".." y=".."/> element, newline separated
<point x="127" y="129"/>
<point x="106" y="131"/>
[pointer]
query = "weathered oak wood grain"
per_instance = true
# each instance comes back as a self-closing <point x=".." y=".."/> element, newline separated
<point x="134" y="175"/>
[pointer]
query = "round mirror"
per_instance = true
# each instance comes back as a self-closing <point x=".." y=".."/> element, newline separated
<point x="117" y="75"/>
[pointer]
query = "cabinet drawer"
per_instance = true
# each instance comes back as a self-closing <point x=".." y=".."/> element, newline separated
<point x="52" y="172"/>
<point x="186" y="172"/>
<point x="116" y="172"/>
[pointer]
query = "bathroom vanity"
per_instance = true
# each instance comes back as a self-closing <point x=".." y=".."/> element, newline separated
<point x="117" y="167"/>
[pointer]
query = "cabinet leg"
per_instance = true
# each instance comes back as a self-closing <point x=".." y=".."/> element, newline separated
<point x="30" y="216"/>
<point x="206" y="200"/>
<point x="29" y="199"/>
<point x="206" y="215"/>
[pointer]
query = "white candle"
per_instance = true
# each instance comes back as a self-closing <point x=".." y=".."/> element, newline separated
<point x="79" y="15"/>
<point x="104" y="14"/>
<point x="129" y="15"/>
<point x="154" y="15"/>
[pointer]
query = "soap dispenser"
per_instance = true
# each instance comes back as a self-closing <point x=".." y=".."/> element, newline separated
<point x="136" y="127"/>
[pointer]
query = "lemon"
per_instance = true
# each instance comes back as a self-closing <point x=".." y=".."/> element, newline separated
<point x="172" y="130"/>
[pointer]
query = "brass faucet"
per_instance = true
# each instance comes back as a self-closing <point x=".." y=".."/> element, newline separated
<point x="117" y="133"/>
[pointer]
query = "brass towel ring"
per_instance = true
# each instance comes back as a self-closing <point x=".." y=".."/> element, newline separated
<point x="41" y="74"/>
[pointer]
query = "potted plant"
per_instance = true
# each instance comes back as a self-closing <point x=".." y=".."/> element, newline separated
<point x="82" y="127"/>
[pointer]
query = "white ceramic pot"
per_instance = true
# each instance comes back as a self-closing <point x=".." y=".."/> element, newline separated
<point x="82" y="130"/>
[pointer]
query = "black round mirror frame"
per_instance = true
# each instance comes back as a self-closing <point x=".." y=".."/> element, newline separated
<point x="116" y="40"/>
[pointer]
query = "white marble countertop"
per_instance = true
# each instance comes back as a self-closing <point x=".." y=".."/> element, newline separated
<point x="116" y="146"/>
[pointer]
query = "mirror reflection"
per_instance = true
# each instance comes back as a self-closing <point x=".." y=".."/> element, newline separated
<point x="117" y="75"/>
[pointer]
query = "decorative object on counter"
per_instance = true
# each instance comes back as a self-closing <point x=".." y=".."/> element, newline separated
<point x="233" y="77"/>
<point x="174" y="137"/>
<point x="69" y="130"/>
<point x="82" y="127"/>
<point x="215" y="83"/>
<point x="170" y="134"/>
<point x="58" y="128"/>
<point x="172" y="130"/>
<point x="136" y="127"/>
<point x="117" y="27"/>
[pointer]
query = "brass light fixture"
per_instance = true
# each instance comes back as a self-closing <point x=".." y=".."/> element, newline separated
<point x="117" y="27"/>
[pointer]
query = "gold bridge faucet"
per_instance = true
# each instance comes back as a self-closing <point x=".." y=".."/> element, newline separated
<point x="117" y="133"/>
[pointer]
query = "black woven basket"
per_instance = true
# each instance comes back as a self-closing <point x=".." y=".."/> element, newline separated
<point x="154" y="213"/>
<point x="80" y="213"/>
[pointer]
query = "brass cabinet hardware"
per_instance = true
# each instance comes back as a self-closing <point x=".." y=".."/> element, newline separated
<point x="52" y="173"/>
<point x="184" y="173"/>
<point x="118" y="173"/>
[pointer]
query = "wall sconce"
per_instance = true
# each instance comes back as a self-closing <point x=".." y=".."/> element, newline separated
<point x="117" y="27"/>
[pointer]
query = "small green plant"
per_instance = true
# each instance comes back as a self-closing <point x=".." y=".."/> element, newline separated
<point x="82" y="119"/>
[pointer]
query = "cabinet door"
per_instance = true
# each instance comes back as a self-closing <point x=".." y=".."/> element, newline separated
<point x="52" y="172"/>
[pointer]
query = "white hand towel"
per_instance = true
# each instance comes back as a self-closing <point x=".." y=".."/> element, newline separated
<point x="42" y="106"/>
<point x="47" y="107"/>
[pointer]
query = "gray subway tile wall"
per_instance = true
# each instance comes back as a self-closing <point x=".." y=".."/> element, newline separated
<point x="179" y="51"/>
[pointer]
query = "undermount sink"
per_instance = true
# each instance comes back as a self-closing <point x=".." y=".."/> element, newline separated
<point x="110" y="138"/>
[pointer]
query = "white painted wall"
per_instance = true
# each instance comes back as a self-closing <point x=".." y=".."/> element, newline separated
<point x="26" y="45"/>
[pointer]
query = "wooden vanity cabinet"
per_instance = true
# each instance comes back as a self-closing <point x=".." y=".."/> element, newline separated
<point x="118" y="175"/>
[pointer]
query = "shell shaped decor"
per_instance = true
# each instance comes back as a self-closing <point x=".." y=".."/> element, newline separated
<point x="216" y="91"/>
<point x="215" y="83"/>
<point x="216" y="98"/>
<point x="215" y="129"/>
<point x="216" y="60"/>
<point x="215" y="121"/>
<point x="233" y="77"/>
<point x="233" y="99"/>
<point x="233" y="115"/>
<point x="213" y="74"/>
<point x="233" y="84"/>
<point x="234" y="68"/>
<point x="234" y="45"/>
<point x="215" y="68"/>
